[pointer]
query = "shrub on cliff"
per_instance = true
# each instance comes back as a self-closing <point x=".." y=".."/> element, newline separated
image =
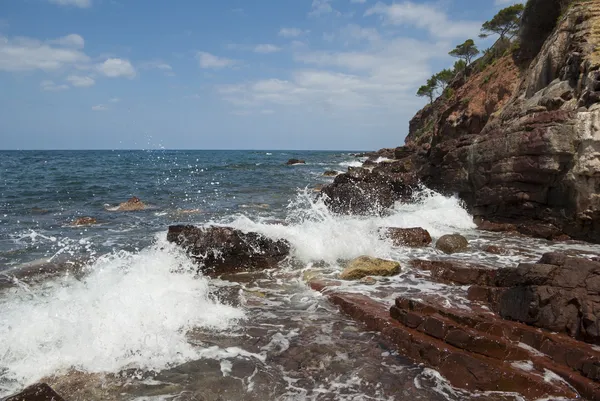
<point x="465" y="51"/>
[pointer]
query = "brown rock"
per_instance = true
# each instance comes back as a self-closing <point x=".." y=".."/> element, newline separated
<point x="496" y="250"/>
<point x="37" y="392"/>
<point x="293" y="162"/>
<point x="496" y="227"/>
<point x="85" y="221"/>
<point x="224" y="249"/>
<point x="133" y="204"/>
<point x="454" y="272"/>
<point x="367" y="266"/>
<point x="452" y="243"/>
<point x="330" y="173"/>
<point x="413" y="237"/>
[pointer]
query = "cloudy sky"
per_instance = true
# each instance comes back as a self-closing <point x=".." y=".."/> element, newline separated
<point x="227" y="74"/>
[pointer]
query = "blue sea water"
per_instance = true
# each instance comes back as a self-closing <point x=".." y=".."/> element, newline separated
<point x="43" y="192"/>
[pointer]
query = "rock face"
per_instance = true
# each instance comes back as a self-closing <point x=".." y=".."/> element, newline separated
<point x="452" y="243"/>
<point x="224" y="249"/>
<point x="292" y="162"/>
<point x="37" y="392"/>
<point x="330" y="173"/>
<point x="518" y="139"/>
<point x="413" y="237"/>
<point x="559" y="293"/>
<point x="366" y="266"/>
<point x="132" y="205"/>
<point x="531" y="152"/>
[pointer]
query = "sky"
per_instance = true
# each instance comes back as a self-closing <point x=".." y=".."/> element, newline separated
<point x="223" y="74"/>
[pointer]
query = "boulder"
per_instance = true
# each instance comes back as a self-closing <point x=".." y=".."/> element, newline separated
<point x="330" y="173"/>
<point x="452" y="243"/>
<point x="293" y="162"/>
<point x="37" y="392"/>
<point x="84" y="221"/>
<point x="496" y="250"/>
<point x="225" y="249"/>
<point x="364" y="266"/>
<point x="413" y="237"/>
<point x="132" y="205"/>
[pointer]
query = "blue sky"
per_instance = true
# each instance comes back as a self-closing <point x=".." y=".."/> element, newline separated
<point x="227" y="74"/>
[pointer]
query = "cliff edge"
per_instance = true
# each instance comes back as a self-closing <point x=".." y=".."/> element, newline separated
<point x="519" y="138"/>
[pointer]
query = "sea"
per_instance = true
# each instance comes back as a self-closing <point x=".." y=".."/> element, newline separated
<point x="112" y="311"/>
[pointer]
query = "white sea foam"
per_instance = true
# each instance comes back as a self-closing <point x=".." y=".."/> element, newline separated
<point x="132" y="310"/>
<point x="351" y="163"/>
<point x="317" y="234"/>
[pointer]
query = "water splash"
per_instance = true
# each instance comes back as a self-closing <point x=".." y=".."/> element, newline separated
<point x="132" y="310"/>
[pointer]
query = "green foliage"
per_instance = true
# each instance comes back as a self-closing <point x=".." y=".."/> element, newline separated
<point x="465" y="101"/>
<point x="444" y="77"/>
<point x="449" y="93"/>
<point x="465" y="51"/>
<point x="505" y="23"/>
<point x="459" y="66"/>
<point x="428" y="90"/>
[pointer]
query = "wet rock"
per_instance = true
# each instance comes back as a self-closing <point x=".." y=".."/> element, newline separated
<point x="452" y="243"/>
<point x="540" y="230"/>
<point x="361" y="191"/>
<point x="427" y="338"/>
<point x="330" y="173"/>
<point x="368" y="280"/>
<point x="84" y="221"/>
<point x="496" y="250"/>
<point x="367" y="266"/>
<point x="293" y="162"/>
<point x="485" y="225"/>
<point x="37" y="392"/>
<point x="225" y="249"/>
<point x="413" y="237"/>
<point x="559" y="293"/>
<point x="456" y="272"/>
<point x="133" y="204"/>
<point x="37" y="210"/>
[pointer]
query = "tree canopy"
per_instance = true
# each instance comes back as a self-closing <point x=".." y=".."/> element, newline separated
<point x="444" y="77"/>
<point x="505" y="23"/>
<point x="465" y="51"/>
<point x="429" y="89"/>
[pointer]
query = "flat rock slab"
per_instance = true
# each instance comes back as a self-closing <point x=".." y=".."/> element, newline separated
<point x="364" y="266"/>
<point x="462" y="367"/>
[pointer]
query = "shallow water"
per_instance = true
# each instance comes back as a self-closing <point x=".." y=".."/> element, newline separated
<point x="137" y="322"/>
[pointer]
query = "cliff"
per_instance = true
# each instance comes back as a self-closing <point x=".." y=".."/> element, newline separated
<point x="519" y="139"/>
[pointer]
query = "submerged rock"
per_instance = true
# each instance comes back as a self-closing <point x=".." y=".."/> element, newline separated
<point x="330" y="173"/>
<point x="37" y="392"/>
<point x="225" y="249"/>
<point x="292" y="162"/>
<point x="85" y="221"/>
<point x="132" y="205"/>
<point x="452" y="243"/>
<point x="413" y="237"/>
<point x="364" y="266"/>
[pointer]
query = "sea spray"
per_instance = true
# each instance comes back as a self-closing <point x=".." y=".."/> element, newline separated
<point x="131" y="310"/>
<point x="318" y="234"/>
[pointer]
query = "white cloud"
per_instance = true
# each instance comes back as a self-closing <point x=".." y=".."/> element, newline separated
<point x="81" y="81"/>
<point x="116" y="67"/>
<point x="505" y="2"/>
<point x="99" y="107"/>
<point x="74" y="3"/>
<point x="73" y="40"/>
<point x="424" y="16"/>
<point x="266" y="48"/>
<point x="291" y="32"/>
<point x="51" y="86"/>
<point x="321" y="7"/>
<point x="114" y="100"/>
<point x="207" y="60"/>
<point x="26" y="54"/>
<point x="156" y="64"/>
